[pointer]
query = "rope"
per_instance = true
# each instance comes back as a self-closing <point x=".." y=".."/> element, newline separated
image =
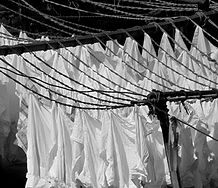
<point x="95" y="72"/>
<point x="206" y="55"/>
<point x="143" y="67"/>
<point x="176" y="4"/>
<point x="110" y="15"/>
<point x="71" y="88"/>
<point x="160" y="3"/>
<point x="98" y="60"/>
<point x="65" y="77"/>
<point x="58" y="102"/>
<point x="158" y="8"/>
<point x="207" y="135"/>
<point x="163" y="63"/>
<point x="50" y="90"/>
<point x="30" y="33"/>
<point x="29" y="7"/>
<point x="62" y="31"/>
<point x="55" y="17"/>
<point x="135" y="69"/>
<point x="190" y="55"/>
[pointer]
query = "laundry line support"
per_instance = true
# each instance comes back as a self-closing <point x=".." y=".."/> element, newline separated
<point x="157" y="103"/>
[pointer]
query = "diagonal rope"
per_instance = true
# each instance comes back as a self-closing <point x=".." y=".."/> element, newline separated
<point x="190" y="55"/>
<point x="142" y="66"/>
<point x="46" y="16"/>
<point x="32" y="34"/>
<point x="163" y="63"/>
<point x="86" y="65"/>
<point x="52" y="91"/>
<point x="130" y="66"/>
<point x="95" y="72"/>
<point x="29" y="18"/>
<point x="56" y="17"/>
<point x="110" y="15"/>
<point x="74" y="90"/>
<point x="160" y="110"/>
<point x="157" y="8"/>
<point x="58" y="102"/>
<point x="118" y="74"/>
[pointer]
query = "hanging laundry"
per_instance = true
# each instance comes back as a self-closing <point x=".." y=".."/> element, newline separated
<point x="148" y="52"/>
<point x="112" y="47"/>
<point x="39" y="143"/>
<point x="85" y="140"/>
<point x="6" y="38"/>
<point x="201" y="46"/>
<point x="3" y="78"/>
<point x="203" y="153"/>
<point x="61" y="155"/>
<point x="167" y="57"/>
<point x="179" y="44"/>
<point x="136" y="64"/>
<point x="58" y="66"/>
<point x="114" y="165"/>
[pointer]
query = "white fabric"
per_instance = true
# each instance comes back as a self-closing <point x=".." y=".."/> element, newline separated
<point x="120" y="148"/>
<point x="39" y="143"/>
<point x="60" y="169"/>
